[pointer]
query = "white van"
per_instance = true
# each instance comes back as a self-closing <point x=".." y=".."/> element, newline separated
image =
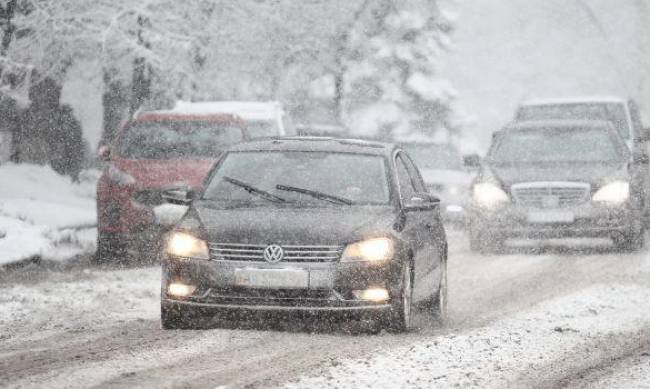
<point x="263" y="119"/>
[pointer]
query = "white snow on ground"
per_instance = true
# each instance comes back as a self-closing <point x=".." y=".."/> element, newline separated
<point x="97" y="299"/>
<point x="45" y="214"/>
<point x="497" y="355"/>
<point x="634" y="374"/>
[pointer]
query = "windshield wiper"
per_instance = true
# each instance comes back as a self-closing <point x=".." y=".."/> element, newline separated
<point x="253" y="190"/>
<point x="316" y="194"/>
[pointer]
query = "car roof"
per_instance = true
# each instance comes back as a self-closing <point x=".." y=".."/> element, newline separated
<point x="248" y="110"/>
<point x="557" y="125"/>
<point x="573" y="100"/>
<point x="313" y="143"/>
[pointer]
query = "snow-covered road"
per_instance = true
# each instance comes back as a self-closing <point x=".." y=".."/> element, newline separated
<point x="545" y="318"/>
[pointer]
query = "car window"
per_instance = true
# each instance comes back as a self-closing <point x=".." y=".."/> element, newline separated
<point x="435" y="156"/>
<point x="416" y="178"/>
<point x="176" y="139"/>
<point x="359" y="178"/>
<point x="554" y="145"/>
<point x="635" y="116"/>
<point x="613" y="112"/>
<point x="406" y="186"/>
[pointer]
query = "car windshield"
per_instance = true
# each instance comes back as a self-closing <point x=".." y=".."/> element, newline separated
<point x="434" y="156"/>
<point x="613" y="112"/>
<point x="175" y="139"/>
<point x="552" y="145"/>
<point x="359" y="178"/>
<point x="262" y="128"/>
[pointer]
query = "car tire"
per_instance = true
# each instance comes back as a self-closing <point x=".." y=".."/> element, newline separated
<point x="439" y="303"/>
<point x="110" y="248"/>
<point x="476" y="241"/>
<point x="632" y="240"/>
<point x="175" y="318"/>
<point x="402" y="305"/>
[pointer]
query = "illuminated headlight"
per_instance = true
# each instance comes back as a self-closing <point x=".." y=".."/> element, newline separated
<point x="182" y="244"/>
<point x="180" y="290"/>
<point x="489" y="195"/>
<point x="372" y="294"/>
<point x="373" y="250"/>
<point x="614" y="193"/>
<point x="453" y="190"/>
<point x="119" y="177"/>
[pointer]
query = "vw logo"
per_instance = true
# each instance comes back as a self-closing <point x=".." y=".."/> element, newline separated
<point x="273" y="253"/>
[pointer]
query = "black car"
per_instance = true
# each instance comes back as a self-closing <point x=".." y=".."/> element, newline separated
<point x="557" y="179"/>
<point x="308" y="225"/>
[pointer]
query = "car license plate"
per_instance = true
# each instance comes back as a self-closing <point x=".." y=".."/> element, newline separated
<point x="272" y="278"/>
<point x="551" y="217"/>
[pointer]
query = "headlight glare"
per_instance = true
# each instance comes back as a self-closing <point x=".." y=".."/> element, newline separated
<point x="181" y="244"/>
<point x="614" y="193"/>
<point x="372" y="250"/>
<point x="489" y="195"/>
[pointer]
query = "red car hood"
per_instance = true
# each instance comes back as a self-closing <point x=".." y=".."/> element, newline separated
<point x="155" y="173"/>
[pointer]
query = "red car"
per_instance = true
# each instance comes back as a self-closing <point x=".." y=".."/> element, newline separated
<point x="152" y="153"/>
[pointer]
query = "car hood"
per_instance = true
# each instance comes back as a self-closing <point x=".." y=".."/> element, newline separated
<point x="149" y="173"/>
<point x="446" y="177"/>
<point x="307" y="226"/>
<point x="594" y="174"/>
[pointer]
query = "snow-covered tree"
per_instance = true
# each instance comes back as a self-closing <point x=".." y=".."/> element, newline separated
<point x="391" y="86"/>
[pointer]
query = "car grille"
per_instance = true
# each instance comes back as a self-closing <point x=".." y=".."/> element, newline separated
<point x="149" y="197"/>
<point x="550" y="194"/>
<point x="292" y="253"/>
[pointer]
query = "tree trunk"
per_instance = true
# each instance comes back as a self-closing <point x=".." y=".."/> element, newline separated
<point x="113" y="106"/>
<point x="8" y="28"/>
<point x="141" y="83"/>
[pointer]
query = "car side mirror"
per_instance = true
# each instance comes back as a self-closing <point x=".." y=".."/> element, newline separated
<point x="422" y="202"/>
<point x="179" y="195"/>
<point x="640" y="159"/>
<point x="472" y="161"/>
<point x="104" y="153"/>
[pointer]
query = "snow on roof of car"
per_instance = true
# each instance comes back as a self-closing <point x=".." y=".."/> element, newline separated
<point x="573" y="100"/>
<point x="247" y="110"/>
<point x="558" y="123"/>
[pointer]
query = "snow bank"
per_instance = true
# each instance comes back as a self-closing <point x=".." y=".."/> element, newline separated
<point x="507" y="353"/>
<point x="45" y="214"/>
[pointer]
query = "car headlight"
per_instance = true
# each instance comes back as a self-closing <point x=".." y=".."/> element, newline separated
<point x="182" y="244"/>
<point x="489" y="195"/>
<point x="372" y="250"/>
<point x="614" y="193"/>
<point x="119" y="177"/>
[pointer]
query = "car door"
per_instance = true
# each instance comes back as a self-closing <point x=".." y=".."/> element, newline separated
<point x="418" y="229"/>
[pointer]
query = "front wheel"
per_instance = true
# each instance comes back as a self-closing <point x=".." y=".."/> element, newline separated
<point x="400" y="315"/>
<point x="110" y="247"/>
<point x="439" y="306"/>
<point x="175" y="318"/>
<point x="632" y="240"/>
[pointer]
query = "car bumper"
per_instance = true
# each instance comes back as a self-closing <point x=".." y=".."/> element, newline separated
<point x="589" y="221"/>
<point x="329" y="287"/>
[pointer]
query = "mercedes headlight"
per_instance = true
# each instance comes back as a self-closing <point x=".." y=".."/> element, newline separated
<point x="182" y="244"/>
<point x="371" y="250"/>
<point x="489" y="195"/>
<point x="614" y="193"/>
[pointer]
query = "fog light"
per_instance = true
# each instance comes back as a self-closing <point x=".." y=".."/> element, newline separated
<point x="372" y="294"/>
<point x="180" y="290"/>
